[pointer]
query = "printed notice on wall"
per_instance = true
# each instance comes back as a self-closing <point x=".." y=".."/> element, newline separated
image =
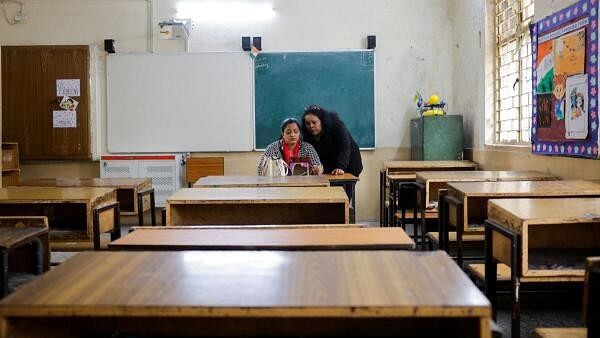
<point x="64" y="119"/>
<point x="68" y="87"/>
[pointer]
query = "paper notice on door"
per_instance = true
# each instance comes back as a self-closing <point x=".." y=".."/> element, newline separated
<point x="64" y="119"/>
<point x="68" y="87"/>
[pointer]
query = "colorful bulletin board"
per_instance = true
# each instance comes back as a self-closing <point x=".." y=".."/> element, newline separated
<point x="565" y="76"/>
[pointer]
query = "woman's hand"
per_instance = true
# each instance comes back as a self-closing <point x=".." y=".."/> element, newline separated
<point x="337" y="172"/>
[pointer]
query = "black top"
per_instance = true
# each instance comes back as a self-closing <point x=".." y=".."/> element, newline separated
<point x="336" y="147"/>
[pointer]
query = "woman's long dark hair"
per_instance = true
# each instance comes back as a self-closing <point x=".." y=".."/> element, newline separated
<point x="319" y="112"/>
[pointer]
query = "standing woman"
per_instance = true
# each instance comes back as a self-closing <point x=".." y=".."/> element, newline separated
<point x="289" y="147"/>
<point x="328" y="134"/>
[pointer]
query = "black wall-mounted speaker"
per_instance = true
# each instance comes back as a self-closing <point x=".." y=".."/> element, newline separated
<point x="257" y="42"/>
<point x="371" y="42"/>
<point x="246" y="43"/>
<point x="109" y="45"/>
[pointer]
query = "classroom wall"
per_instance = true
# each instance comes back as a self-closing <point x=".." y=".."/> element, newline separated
<point x="476" y="101"/>
<point x="414" y="52"/>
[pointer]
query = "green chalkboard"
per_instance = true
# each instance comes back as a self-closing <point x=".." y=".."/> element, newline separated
<point x="285" y="83"/>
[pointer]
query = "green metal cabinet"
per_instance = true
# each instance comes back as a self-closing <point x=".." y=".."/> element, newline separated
<point x="437" y="138"/>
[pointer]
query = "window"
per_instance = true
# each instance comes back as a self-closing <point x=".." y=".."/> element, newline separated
<point x="512" y="82"/>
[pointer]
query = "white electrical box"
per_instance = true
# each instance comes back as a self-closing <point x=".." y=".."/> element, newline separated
<point x="166" y="171"/>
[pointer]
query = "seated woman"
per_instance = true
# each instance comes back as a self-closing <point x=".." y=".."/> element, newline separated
<point x="290" y="147"/>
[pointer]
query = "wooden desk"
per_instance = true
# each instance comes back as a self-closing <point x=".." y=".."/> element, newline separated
<point x="76" y="216"/>
<point x="337" y="238"/>
<point x="197" y="167"/>
<point x="248" y="226"/>
<point x="283" y="205"/>
<point x="471" y="198"/>
<point x="239" y="181"/>
<point x="395" y="172"/>
<point x="533" y="235"/>
<point x="133" y="194"/>
<point x="250" y="293"/>
<point x="431" y="182"/>
<point x="348" y="182"/>
<point x="15" y="232"/>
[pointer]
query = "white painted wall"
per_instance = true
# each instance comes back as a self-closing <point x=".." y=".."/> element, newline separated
<point x="415" y="43"/>
<point x="474" y="62"/>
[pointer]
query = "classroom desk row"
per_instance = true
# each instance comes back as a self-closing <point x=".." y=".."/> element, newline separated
<point x="347" y="181"/>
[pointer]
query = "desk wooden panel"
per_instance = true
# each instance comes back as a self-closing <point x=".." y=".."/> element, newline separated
<point x="255" y="226"/>
<point x="281" y="205"/>
<point x="542" y="240"/>
<point x="560" y="224"/>
<point x="69" y="211"/>
<point x="240" y="181"/>
<point x="127" y="189"/>
<point x="475" y="195"/>
<point x="348" y="182"/>
<point x="414" y="166"/>
<point x="338" y="238"/>
<point x="250" y="293"/>
<point x="434" y="181"/>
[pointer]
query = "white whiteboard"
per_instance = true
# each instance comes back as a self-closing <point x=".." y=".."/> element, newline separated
<point x="179" y="102"/>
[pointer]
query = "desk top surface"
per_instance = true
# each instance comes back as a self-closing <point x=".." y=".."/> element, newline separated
<point x="53" y="194"/>
<point x="346" y="177"/>
<point x="267" y="239"/>
<point x="249" y="226"/>
<point x="89" y="182"/>
<point x="483" y="175"/>
<point x="259" y="195"/>
<point x="251" y="283"/>
<point x="422" y="165"/>
<point x="9" y="237"/>
<point x="515" y="212"/>
<point x="240" y="181"/>
<point x="527" y="188"/>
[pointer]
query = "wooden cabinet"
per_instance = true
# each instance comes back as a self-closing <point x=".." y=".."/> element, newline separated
<point x="10" y="164"/>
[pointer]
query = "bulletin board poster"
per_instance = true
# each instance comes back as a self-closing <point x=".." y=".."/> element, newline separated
<point x="565" y="82"/>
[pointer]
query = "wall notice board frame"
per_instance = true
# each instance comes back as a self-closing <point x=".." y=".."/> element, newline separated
<point x="565" y="82"/>
<point x="286" y="82"/>
<point x="179" y="102"/>
<point x="30" y="100"/>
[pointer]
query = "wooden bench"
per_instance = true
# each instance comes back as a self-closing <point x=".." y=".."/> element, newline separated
<point x="591" y="307"/>
<point x="16" y="234"/>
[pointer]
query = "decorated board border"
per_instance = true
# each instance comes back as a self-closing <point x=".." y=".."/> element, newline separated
<point x="583" y="14"/>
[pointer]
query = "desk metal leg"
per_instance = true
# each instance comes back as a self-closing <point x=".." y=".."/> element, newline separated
<point x="4" y="273"/>
<point x="381" y="196"/>
<point x="38" y="255"/>
<point x="163" y="216"/>
<point x="516" y="283"/>
<point x="490" y="270"/>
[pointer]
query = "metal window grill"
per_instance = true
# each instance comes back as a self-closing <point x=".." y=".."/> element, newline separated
<point x="512" y="83"/>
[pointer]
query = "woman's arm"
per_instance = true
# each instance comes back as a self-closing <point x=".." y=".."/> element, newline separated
<point x="341" y="140"/>
<point x="272" y="151"/>
<point x="316" y="168"/>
